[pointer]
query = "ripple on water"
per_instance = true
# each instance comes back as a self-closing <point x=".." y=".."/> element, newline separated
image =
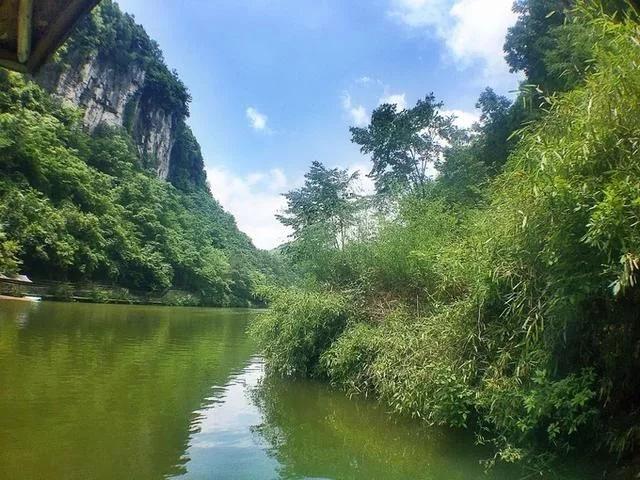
<point x="105" y="392"/>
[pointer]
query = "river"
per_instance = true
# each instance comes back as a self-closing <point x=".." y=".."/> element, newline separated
<point x="132" y="392"/>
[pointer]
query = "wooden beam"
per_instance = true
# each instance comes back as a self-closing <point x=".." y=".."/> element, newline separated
<point x="25" y="23"/>
<point x="58" y="32"/>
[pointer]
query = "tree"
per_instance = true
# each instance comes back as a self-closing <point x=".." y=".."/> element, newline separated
<point x="404" y="144"/>
<point x="529" y="40"/>
<point x="552" y="45"/>
<point x="497" y="123"/>
<point x="462" y="176"/>
<point x="322" y="210"/>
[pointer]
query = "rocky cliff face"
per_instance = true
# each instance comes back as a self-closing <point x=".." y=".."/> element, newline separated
<point x="117" y="75"/>
<point x="117" y="98"/>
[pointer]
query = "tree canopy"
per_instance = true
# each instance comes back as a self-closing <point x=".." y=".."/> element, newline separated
<point x="404" y="144"/>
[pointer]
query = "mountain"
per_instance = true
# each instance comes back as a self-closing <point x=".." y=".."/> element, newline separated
<point x="117" y="75"/>
<point x="102" y="180"/>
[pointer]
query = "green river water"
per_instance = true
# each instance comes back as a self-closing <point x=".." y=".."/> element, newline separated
<point x="139" y="393"/>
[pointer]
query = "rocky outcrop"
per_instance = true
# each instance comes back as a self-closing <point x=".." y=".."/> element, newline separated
<point x="112" y="70"/>
<point x="154" y="130"/>
<point x="116" y="97"/>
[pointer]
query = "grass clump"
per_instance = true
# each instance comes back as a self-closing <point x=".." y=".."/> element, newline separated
<point x="299" y="327"/>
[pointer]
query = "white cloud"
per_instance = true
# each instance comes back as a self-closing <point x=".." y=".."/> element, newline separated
<point x="257" y="120"/>
<point x="398" y="99"/>
<point x="479" y="32"/>
<point x="420" y="13"/>
<point x="357" y="113"/>
<point x="463" y="119"/>
<point x="253" y="200"/>
<point x="472" y="30"/>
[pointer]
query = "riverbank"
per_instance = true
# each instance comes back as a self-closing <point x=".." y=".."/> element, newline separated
<point x="108" y="294"/>
<point x="510" y="306"/>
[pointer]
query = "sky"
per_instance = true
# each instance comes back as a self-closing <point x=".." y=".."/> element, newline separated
<point x="276" y="84"/>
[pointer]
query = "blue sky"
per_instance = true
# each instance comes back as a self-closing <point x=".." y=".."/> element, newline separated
<point x="277" y="83"/>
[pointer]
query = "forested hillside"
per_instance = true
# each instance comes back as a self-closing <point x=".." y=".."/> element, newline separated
<point x="502" y="294"/>
<point x="101" y="179"/>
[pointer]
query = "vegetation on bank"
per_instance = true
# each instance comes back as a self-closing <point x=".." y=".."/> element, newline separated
<point x="502" y="295"/>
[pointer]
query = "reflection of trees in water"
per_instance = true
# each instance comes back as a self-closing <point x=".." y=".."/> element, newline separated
<point x="314" y="432"/>
<point x="97" y="392"/>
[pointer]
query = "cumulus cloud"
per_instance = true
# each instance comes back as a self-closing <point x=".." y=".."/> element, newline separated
<point x="472" y="30"/>
<point x="479" y="32"/>
<point x="398" y="99"/>
<point x="253" y="199"/>
<point x="257" y="120"/>
<point x="462" y="118"/>
<point x="357" y="113"/>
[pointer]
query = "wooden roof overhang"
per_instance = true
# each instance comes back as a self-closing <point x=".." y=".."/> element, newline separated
<point x="31" y="30"/>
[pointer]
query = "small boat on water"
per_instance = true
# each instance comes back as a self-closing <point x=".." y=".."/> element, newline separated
<point x="20" y="299"/>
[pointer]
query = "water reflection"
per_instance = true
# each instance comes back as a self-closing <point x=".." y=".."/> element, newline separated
<point x="316" y="433"/>
<point x="224" y="445"/>
<point x="106" y="392"/>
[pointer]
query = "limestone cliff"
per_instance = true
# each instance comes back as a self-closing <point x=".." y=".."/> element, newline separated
<point x="116" y="74"/>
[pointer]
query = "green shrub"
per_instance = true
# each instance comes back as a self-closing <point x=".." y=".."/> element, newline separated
<point x="99" y="295"/>
<point x="122" y="295"/>
<point x="64" y="292"/>
<point x="543" y="413"/>
<point x="425" y="367"/>
<point x="298" y="328"/>
<point x="348" y="362"/>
